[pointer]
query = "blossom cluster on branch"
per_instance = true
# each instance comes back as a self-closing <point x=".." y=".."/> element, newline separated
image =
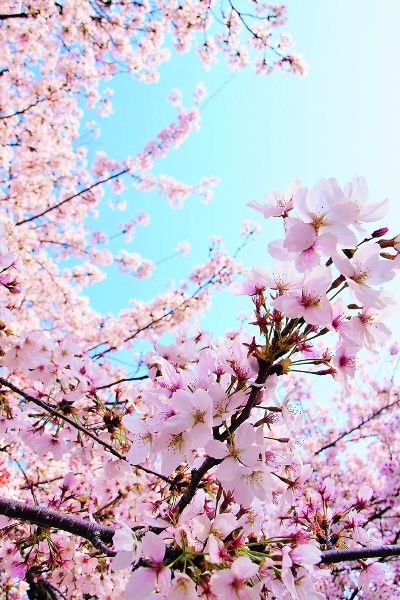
<point x="210" y="472"/>
<point x="225" y="506"/>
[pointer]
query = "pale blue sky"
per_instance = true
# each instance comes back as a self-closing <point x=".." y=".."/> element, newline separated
<point x="258" y="132"/>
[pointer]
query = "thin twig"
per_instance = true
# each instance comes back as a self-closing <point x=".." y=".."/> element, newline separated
<point x="346" y="433"/>
<point x="108" y="385"/>
<point x="55" y="413"/>
<point x="72" y="197"/>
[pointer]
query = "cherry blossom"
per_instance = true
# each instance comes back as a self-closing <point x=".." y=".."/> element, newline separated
<point x="277" y="204"/>
<point x="357" y="191"/>
<point x="143" y="581"/>
<point x="240" y="451"/>
<point x="205" y="467"/>
<point x="127" y="546"/>
<point x="375" y="572"/>
<point x="311" y="302"/>
<point x="232" y="583"/>
<point x="327" y="211"/>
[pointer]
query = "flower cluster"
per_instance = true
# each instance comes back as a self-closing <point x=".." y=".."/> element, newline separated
<point x="8" y="285"/>
<point x="334" y="288"/>
<point x="219" y="414"/>
<point x="229" y="504"/>
<point x="208" y="472"/>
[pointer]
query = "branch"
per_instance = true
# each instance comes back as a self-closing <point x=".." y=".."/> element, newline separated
<point x="98" y="535"/>
<point x="24" y="110"/>
<point x="335" y="556"/>
<point x="94" y="437"/>
<point x="108" y="385"/>
<point x="155" y="321"/>
<point x="72" y="197"/>
<point x="210" y="280"/>
<point x="14" y="16"/>
<point x="209" y="462"/>
<point x="343" y="435"/>
<point x="39" y="588"/>
<point x="264" y="371"/>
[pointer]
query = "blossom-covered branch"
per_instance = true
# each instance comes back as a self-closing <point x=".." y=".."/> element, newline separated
<point x="75" y="425"/>
<point x="98" y="535"/>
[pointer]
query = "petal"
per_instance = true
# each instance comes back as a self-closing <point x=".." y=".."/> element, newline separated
<point x="141" y="583"/>
<point x="123" y="538"/>
<point x="244" y="568"/>
<point x="216" y="449"/>
<point x="122" y="560"/>
<point x="228" y="470"/>
<point x="153" y="547"/>
<point x="139" y="451"/>
<point x="245" y="436"/>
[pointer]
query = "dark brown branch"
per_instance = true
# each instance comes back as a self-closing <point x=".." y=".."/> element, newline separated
<point x="264" y="371"/>
<point x="347" y="554"/>
<point x="33" y="484"/>
<point x="14" y="16"/>
<point x="73" y="196"/>
<point x="346" y="433"/>
<point x="98" y="535"/>
<point x="55" y="413"/>
<point x="56" y="590"/>
<point x="108" y="385"/>
<point x="24" y="110"/>
<point x="39" y="588"/>
<point x="209" y="462"/>
<point x="155" y="321"/>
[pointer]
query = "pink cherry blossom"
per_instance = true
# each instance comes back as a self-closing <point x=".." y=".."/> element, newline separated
<point x="328" y="211"/>
<point x="144" y="579"/>
<point x="127" y="546"/>
<point x="258" y="279"/>
<point x="141" y="445"/>
<point x="375" y="572"/>
<point x="366" y="329"/>
<point x="357" y="191"/>
<point x="277" y="204"/>
<point x="143" y="457"/>
<point x="311" y="302"/>
<point x="240" y="451"/>
<point x="366" y="269"/>
<point x="231" y="584"/>
<point x="345" y="364"/>
<point x="182" y="588"/>
<point x="194" y="413"/>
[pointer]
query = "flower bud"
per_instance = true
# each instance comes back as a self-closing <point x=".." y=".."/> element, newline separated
<point x="380" y="232"/>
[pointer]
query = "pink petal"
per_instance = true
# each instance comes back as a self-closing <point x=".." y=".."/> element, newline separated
<point x="153" y="547"/>
<point x="141" y="583"/>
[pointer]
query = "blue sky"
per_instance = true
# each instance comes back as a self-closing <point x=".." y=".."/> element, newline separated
<point x="258" y="132"/>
